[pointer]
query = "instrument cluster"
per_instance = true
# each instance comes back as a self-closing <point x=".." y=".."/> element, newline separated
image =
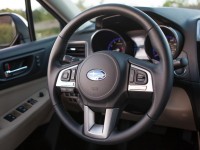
<point x="174" y="39"/>
<point x="137" y="45"/>
<point x="106" y="39"/>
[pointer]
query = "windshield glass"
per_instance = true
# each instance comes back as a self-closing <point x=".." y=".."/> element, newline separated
<point x="193" y="4"/>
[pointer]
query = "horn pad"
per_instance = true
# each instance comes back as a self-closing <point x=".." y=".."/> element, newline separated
<point x="98" y="76"/>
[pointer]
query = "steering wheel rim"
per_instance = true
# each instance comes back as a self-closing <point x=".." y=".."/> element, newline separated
<point x="161" y="72"/>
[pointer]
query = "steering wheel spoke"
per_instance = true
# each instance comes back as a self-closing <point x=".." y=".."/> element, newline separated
<point x="67" y="78"/>
<point x="140" y="79"/>
<point x="99" y="131"/>
<point x="141" y="85"/>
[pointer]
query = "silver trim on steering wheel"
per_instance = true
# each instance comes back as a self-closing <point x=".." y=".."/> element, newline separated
<point x="94" y="130"/>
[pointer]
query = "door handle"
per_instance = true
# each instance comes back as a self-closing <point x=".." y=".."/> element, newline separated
<point x="15" y="72"/>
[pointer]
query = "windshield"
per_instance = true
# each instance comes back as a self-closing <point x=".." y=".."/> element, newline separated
<point x="193" y="4"/>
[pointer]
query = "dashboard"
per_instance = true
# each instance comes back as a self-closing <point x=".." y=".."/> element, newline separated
<point x="120" y="34"/>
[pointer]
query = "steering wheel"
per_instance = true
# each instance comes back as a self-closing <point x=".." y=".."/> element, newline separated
<point x="107" y="80"/>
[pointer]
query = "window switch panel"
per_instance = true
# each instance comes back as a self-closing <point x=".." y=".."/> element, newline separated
<point x="10" y="117"/>
<point x="21" y="109"/>
<point x="32" y="101"/>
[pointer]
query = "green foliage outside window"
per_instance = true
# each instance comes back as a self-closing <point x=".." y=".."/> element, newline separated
<point x="45" y="24"/>
<point x="182" y="3"/>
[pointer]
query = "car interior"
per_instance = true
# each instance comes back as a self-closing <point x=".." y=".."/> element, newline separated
<point x="114" y="76"/>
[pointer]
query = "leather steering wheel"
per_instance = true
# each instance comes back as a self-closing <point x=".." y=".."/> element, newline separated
<point x="107" y="80"/>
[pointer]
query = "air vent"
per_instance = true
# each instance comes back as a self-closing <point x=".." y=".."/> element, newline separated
<point x="76" y="49"/>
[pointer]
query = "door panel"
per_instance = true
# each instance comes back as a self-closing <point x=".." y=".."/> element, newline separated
<point x="14" y="132"/>
<point x="24" y="97"/>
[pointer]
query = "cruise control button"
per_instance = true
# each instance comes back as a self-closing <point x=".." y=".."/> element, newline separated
<point x="131" y="76"/>
<point x="73" y="74"/>
<point x="141" y="77"/>
<point x="66" y="75"/>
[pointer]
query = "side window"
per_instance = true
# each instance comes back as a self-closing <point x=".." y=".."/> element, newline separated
<point x="14" y="26"/>
<point x="44" y="23"/>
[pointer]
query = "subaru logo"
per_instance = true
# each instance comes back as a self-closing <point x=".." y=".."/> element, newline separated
<point x="96" y="75"/>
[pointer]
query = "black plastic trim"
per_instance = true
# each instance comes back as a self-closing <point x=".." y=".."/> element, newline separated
<point x="29" y="16"/>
